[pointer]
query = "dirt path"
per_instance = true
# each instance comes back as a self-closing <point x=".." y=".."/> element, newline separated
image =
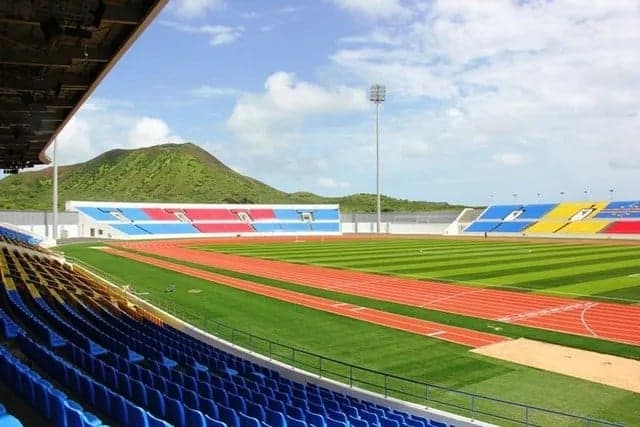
<point x="588" y="365"/>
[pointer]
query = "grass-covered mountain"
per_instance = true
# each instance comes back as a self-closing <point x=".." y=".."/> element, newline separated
<point x="168" y="173"/>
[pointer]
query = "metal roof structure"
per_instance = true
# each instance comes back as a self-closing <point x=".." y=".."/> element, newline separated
<point x="53" y="54"/>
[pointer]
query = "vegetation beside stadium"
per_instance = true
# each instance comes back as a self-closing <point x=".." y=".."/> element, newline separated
<point x="365" y="344"/>
<point x="170" y="173"/>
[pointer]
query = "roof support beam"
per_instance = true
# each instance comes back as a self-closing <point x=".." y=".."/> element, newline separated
<point x="59" y="58"/>
<point x="112" y="15"/>
<point x="49" y="82"/>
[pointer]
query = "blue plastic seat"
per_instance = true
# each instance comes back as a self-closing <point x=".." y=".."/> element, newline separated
<point x="213" y="423"/>
<point x="294" y="422"/>
<point x="136" y="416"/>
<point x="335" y="423"/>
<point x="194" y="418"/>
<point x="275" y="418"/>
<point x="256" y="411"/>
<point x="314" y="419"/>
<point x="276" y="405"/>
<point x="118" y="408"/>
<point x="190" y="399"/>
<point x="247" y="421"/>
<point x="138" y="393"/>
<point x="435" y="423"/>
<point x="388" y="422"/>
<point x="237" y="403"/>
<point x="370" y="417"/>
<point x="220" y="396"/>
<point x="157" y="422"/>
<point x="350" y="411"/>
<point x="358" y="422"/>
<point x="295" y="412"/>
<point x="208" y="407"/>
<point x="228" y="416"/>
<point x="174" y="412"/>
<point x="414" y="423"/>
<point x="156" y="402"/>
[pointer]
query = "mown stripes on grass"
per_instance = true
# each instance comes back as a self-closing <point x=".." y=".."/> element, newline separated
<point x="607" y="268"/>
<point x="375" y="347"/>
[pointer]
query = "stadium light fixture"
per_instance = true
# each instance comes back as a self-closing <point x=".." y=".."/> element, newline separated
<point x="586" y="192"/>
<point x="377" y="95"/>
<point x="611" y="190"/>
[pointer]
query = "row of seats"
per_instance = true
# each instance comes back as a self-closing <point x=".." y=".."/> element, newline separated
<point x="225" y="215"/>
<point x="149" y="221"/>
<point x="9" y="235"/>
<point x="578" y="218"/>
<point x="199" y="385"/>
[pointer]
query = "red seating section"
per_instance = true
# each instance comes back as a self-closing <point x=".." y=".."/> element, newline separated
<point x="257" y="214"/>
<point x="159" y="214"/>
<point x="211" y="214"/>
<point x="238" y="227"/>
<point x="623" y="227"/>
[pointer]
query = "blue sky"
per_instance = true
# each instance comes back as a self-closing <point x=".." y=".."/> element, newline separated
<point x="490" y="97"/>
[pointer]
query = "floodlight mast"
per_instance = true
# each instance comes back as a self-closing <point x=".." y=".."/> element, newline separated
<point x="377" y="95"/>
<point x="54" y="235"/>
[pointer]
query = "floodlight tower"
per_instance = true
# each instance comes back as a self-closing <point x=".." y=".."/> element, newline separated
<point x="54" y="235"/>
<point x="377" y="95"/>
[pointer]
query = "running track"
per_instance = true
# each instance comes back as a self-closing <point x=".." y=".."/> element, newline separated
<point x="404" y="323"/>
<point x="608" y="321"/>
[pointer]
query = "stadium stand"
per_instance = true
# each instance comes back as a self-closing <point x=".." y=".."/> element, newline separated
<point x="18" y="237"/>
<point x="86" y="358"/>
<point x="572" y="218"/>
<point x="144" y="220"/>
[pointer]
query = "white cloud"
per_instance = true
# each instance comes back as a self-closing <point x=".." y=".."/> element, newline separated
<point x="217" y="34"/>
<point x="373" y="8"/>
<point x="269" y="120"/>
<point x="415" y="149"/>
<point x="332" y="183"/>
<point x="208" y="91"/>
<point x="266" y="28"/>
<point x="148" y="131"/>
<point x="509" y="159"/>
<point x="288" y="9"/>
<point x="194" y="8"/>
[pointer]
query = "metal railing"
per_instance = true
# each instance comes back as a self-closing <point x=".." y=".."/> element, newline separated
<point x="471" y="405"/>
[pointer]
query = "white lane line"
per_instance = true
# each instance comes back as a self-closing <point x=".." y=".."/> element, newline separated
<point x="340" y="304"/>
<point x="459" y="294"/>
<point x="584" y="321"/>
<point x="436" y="333"/>
<point x="358" y="309"/>
<point x="544" y="312"/>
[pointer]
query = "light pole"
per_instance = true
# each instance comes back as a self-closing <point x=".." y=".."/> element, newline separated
<point x="55" y="189"/>
<point x="377" y="95"/>
<point x="539" y="197"/>
<point x="611" y="190"/>
<point x="491" y="199"/>
<point x="515" y="197"/>
<point x="562" y="195"/>
<point x="586" y="192"/>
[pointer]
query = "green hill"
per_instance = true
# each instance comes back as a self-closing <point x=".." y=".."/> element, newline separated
<point x="168" y="173"/>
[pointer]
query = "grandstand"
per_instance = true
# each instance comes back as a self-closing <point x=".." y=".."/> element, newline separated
<point x="166" y="220"/>
<point x="584" y="219"/>
<point x="95" y="359"/>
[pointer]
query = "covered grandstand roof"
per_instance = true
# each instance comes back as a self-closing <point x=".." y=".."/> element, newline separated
<point x="54" y="54"/>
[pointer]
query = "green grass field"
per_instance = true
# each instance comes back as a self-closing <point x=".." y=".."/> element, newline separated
<point x="368" y="345"/>
<point x="600" y="271"/>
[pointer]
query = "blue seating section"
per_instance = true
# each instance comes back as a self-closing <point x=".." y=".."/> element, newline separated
<point x="499" y="212"/>
<point x="99" y="214"/>
<point x="17" y="235"/>
<point x="621" y="210"/>
<point x="150" y="220"/>
<point x="287" y="214"/>
<point x="131" y="229"/>
<point x="512" y="226"/>
<point x="135" y="214"/>
<point x="536" y="211"/>
<point x="482" y="226"/>
<point x="8" y="328"/>
<point x="182" y="382"/>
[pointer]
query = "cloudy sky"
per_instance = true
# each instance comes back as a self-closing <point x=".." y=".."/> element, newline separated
<point x="483" y="97"/>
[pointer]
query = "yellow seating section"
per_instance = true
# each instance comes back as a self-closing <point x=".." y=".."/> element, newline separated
<point x="586" y="226"/>
<point x="557" y="220"/>
<point x="544" y="227"/>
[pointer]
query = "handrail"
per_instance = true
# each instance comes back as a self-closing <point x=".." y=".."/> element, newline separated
<point x="472" y="405"/>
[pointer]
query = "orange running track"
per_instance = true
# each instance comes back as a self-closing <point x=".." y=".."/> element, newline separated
<point x="422" y="327"/>
<point x="608" y="321"/>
